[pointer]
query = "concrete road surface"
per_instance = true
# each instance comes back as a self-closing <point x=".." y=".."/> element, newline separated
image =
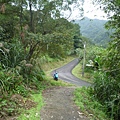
<point x="65" y="74"/>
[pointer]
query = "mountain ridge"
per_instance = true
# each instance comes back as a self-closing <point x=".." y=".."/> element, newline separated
<point x="94" y="29"/>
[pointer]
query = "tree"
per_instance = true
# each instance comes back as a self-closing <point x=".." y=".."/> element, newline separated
<point x="107" y="86"/>
<point x="30" y="29"/>
<point x="112" y="62"/>
<point x="40" y="25"/>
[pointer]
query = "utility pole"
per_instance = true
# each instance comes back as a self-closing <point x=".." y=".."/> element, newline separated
<point x="84" y="55"/>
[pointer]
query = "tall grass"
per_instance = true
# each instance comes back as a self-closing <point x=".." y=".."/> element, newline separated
<point x="48" y="82"/>
<point x="33" y="113"/>
<point x="77" y="71"/>
<point x="88" y="105"/>
<point x="106" y="90"/>
<point x="86" y="100"/>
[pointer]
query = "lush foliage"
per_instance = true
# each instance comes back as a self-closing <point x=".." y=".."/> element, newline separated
<point x="28" y="34"/>
<point x="31" y="33"/>
<point x="106" y="90"/>
<point x="94" y="29"/>
<point x="107" y="86"/>
<point x="89" y="105"/>
<point x="34" y="112"/>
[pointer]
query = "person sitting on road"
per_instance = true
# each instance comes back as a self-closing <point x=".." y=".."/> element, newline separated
<point x="56" y="76"/>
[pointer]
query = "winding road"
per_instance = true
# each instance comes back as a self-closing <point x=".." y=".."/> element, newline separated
<point x="65" y="74"/>
<point x="59" y="103"/>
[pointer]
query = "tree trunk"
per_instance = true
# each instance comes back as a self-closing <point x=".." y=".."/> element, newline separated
<point x="21" y="10"/>
<point x="32" y="49"/>
<point x="31" y="17"/>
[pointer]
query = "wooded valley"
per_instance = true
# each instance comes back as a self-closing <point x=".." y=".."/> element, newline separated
<point x="94" y="29"/>
<point x="33" y="33"/>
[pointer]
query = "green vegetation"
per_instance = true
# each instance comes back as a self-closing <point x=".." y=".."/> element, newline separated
<point x="32" y="33"/>
<point x="105" y="85"/>
<point x="85" y="97"/>
<point x="30" y="38"/>
<point x="106" y="82"/>
<point x="77" y="71"/>
<point x="92" y="55"/>
<point x="94" y="29"/>
<point x="19" y="99"/>
<point x="33" y="113"/>
<point x="89" y="105"/>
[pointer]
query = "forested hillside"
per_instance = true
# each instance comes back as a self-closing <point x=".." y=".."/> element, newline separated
<point x="33" y="33"/>
<point x="107" y="78"/>
<point x="95" y="30"/>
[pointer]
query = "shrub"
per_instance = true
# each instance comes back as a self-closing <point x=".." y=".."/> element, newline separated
<point x="9" y="81"/>
<point x="106" y="90"/>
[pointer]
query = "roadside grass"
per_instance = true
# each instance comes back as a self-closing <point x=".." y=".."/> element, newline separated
<point x="33" y="113"/>
<point x="37" y="98"/>
<point x="77" y="71"/>
<point x="59" y="83"/>
<point x="48" y="82"/>
<point x="88" y="105"/>
<point x="50" y="66"/>
<point x="84" y="97"/>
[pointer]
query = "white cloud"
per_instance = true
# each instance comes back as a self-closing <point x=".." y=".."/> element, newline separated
<point x="90" y="11"/>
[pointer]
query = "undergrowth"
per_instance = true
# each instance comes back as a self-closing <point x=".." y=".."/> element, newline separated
<point x="89" y="105"/>
<point x="48" y="82"/>
<point x="33" y="113"/>
<point x="85" y="97"/>
<point x="77" y="71"/>
<point x="18" y="84"/>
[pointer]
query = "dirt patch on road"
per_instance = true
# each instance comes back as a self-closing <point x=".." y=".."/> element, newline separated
<point x="59" y="105"/>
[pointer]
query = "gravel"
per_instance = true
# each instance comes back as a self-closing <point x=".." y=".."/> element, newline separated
<point x="59" y="101"/>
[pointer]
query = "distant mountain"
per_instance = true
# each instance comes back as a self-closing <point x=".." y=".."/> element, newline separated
<point x="94" y="30"/>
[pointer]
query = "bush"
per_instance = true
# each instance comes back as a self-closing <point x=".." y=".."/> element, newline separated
<point x="106" y="90"/>
<point x="9" y="81"/>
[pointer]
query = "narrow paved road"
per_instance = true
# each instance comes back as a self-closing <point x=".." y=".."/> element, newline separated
<point x="65" y="74"/>
<point x="59" y="101"/>
<point x="59" y="105"/>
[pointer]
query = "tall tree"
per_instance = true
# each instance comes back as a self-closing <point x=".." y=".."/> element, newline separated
<point x="112" y="8"/>
<point x="110" y="78"/>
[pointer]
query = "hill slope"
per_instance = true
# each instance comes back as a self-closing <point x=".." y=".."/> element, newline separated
<point x="94" y="30"/>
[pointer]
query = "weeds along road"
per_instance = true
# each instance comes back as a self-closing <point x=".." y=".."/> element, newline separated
<point x="59" y="104"/>
<point x="65" y="74"/>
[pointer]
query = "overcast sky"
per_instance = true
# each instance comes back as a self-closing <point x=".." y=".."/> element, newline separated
<point x="90" y="11"/>
<point x="93" y="12"/>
